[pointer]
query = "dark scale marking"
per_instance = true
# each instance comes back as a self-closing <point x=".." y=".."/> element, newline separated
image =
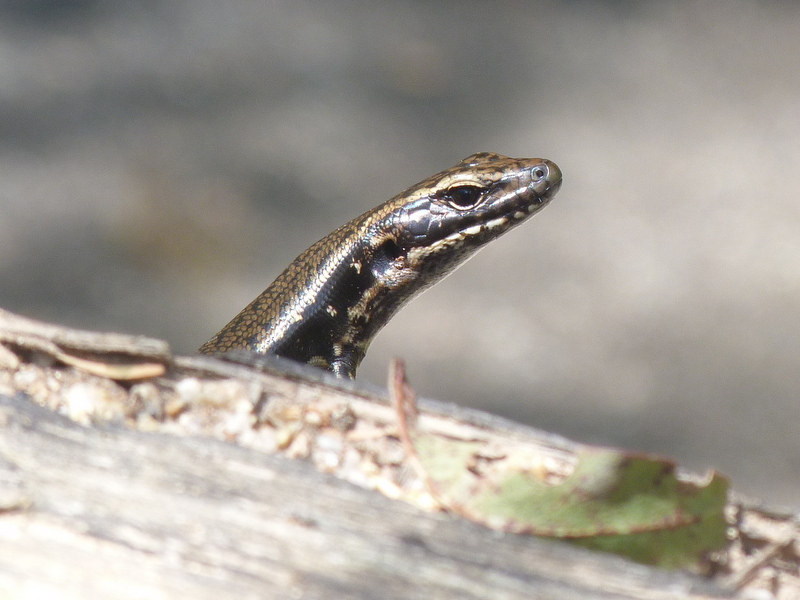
<point x="319" y="331"/>
<point x="403" y="246"/>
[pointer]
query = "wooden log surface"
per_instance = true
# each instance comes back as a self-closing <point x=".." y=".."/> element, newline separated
<point x="147" y="492"/>
<point x="109" y="512"/>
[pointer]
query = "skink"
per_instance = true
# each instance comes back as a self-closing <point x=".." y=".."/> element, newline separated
<point x="327" y="306"/>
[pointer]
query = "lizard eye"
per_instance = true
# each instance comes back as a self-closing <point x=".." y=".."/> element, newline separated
<point x="463" y="196"/>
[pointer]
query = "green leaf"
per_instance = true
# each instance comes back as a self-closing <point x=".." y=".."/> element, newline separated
<point x="629" y="504"/>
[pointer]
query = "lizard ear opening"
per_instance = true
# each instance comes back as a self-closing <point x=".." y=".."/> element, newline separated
<point x="386" y="259"/>
<point x="389" y="249"/>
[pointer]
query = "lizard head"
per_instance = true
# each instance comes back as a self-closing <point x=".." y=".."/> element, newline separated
<point x="452" y="214"/>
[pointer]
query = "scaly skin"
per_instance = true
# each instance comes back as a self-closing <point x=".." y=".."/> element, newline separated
<point x="329" y="303"/>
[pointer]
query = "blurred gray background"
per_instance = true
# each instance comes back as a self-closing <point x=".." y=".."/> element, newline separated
<point x="162" y="161"/>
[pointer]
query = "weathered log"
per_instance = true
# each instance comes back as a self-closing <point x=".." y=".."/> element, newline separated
<point x="138" y="495"/>
<point x="109" y="512"/>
